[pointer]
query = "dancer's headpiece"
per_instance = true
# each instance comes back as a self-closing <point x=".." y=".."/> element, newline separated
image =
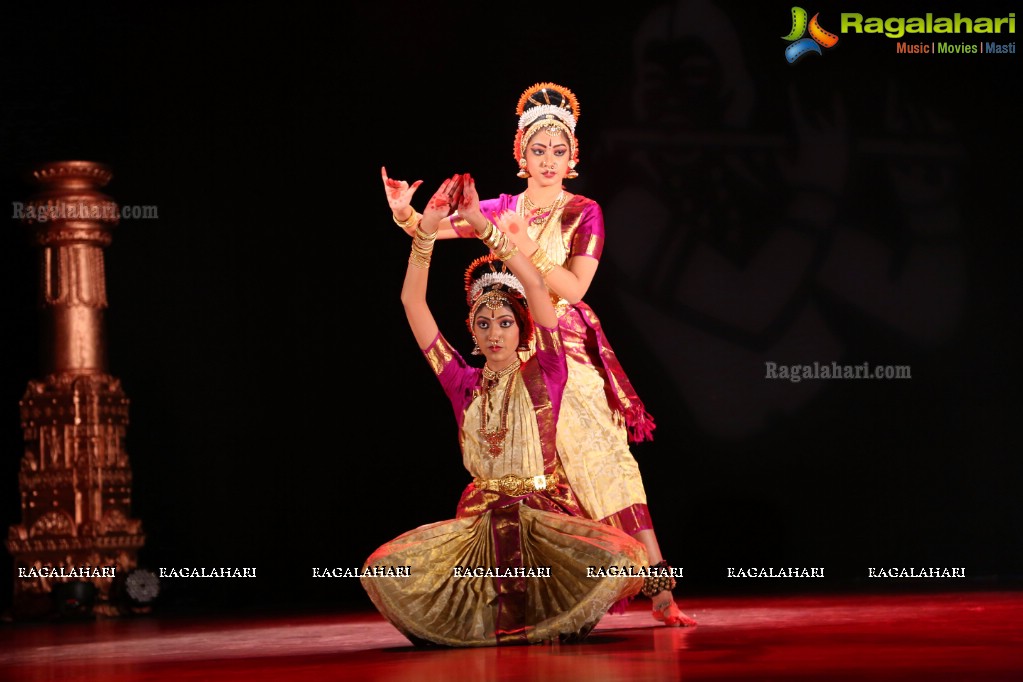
<point x="552" y="107"/>
<point x="488" y="282"/>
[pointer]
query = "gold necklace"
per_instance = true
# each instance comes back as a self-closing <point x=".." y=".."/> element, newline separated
<point x="495" y="438"/>
<point x="539" y="222"/>
<point x="541" y="214"/>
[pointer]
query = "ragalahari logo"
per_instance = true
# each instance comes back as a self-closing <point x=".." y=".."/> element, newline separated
<point x="800" y="45"/>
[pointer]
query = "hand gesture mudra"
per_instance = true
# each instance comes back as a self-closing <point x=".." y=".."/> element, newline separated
<point x="513" y="226"/>
<point x="443" y="202"/>
<point x="399" y="194"/>
<point x="469" y="204"/>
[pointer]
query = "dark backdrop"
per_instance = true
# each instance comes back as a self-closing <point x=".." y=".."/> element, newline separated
<point x="857" y="206"/>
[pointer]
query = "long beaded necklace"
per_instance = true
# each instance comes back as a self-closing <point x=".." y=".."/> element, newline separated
<point x="495" y="438"/>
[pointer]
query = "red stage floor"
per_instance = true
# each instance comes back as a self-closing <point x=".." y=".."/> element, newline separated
<point x="952" y="636"/>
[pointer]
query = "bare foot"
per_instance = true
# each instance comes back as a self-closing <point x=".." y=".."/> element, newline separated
<point x="666" y="611"/>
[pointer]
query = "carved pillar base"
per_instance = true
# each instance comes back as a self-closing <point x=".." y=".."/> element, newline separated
<point x="75" y="485"/>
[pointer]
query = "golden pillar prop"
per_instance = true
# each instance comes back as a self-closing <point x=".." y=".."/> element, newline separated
<point x="75" y="480"/>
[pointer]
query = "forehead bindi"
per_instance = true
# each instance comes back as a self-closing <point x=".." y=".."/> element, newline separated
<point x="546" y="140"/>
<point x="495" y="314"/>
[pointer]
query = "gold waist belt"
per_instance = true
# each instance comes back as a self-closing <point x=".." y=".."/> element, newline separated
<point x="514" y="486"/>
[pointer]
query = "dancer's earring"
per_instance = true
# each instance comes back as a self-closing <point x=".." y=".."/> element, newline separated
<point x="523" y="173"/>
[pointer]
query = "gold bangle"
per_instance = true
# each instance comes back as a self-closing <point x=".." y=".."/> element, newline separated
<point x="504" y="249"/>
<point x="426" y="237"/>
<point x="422" y="248"/>
<point x="408" y="222"/>
<point x="496" y="244"/>
<point x="420" y="257"/>
<point x="505" y="255"/>
<point x="499" y="242"/>
<point x="542" y="261"/>
<point x="495" y="239"/>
